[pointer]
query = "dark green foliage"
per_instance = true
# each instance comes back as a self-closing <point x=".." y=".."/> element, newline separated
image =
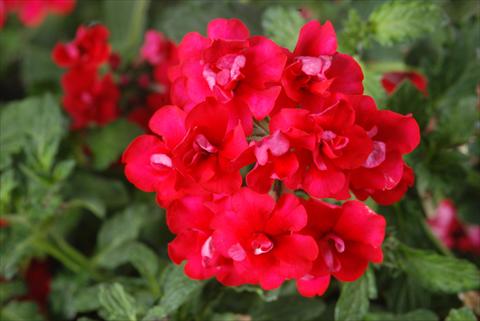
<point x="107" y="242"/>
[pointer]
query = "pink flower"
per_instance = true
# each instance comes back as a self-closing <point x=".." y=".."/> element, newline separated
<point x="262" y="238"/>
<point x="89" y="49"/>
<point x="231" y="66"/>
<point x="391" y="80"/>
<point x="348" y="238"/>
<point x="455" y="234"/>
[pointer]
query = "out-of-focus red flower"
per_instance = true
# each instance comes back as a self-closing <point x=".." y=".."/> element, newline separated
<point x="3" y="223"/>
<point x="231" y="66"/>
<point x="88" y="98"/>
<point x="89" y="49"/>
<point x="32" y="12"/>
<point x="391" y="80"/>
<point x="38" y="279"/>
<point x="452" y="232"/>
<point x="348" y="238"/>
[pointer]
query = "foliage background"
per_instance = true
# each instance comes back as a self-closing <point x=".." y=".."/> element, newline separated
<point x="106" y="241"/>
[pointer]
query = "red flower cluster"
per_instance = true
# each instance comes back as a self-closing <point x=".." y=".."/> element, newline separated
<point x="32" y="12"/>
<point x="88" y="96"/>
<point x="93" y="98"/>
<point x="455" y="234"/>
<point x="246" y="108"/>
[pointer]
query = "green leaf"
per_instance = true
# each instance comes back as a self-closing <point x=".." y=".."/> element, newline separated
<point x="34" y="124"/>
<point x="289" y="308"/>
<point x="127" y="21"/>
<point x="116" y="303"/>
<point x="462" y="314"/>
<point x="457" y="122"/>
<point x="171" y="19"/>
<point x="353" y="303"/>
<point x="9" y="290"/>
<point x="38" y="69"/>
<point x="155" y="313"/>
<point x="63" y="169"/>
<point x="416" y="315"/>
<point x="88" y="187"/>
<point x="122" y="227"/>
<point x="139" y="255"/>
<point x="438" y="273"/>
<point x="85" y="299"/>
<point x="409" y="100"/>
<point x="267" y="296"/>
<point x="177" y="288"/>
<point x="20" y="311"/>
<point x="108" y="143"/>
<point x="282" y="25"/>
<point x="399" y="21"/>
<point x="94" y="205"/>
<point x="8" y="184"/>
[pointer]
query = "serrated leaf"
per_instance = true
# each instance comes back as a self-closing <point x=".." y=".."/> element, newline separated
<point x="122" y="227"/>
<point x="127" y="21"/>
<point x="116" y="303"/>
<point x="267" y="296"/>
<point x="20" y="311"/>
<point x="289" y="308"/>
<point x="108" y="142"/>
<point x="462" y="314"/>
<point x="439" y="273"/>
<point x="416" y="315"/>
<point x="38" y="69"/>
<point x="409" y="100"/>
<point x="399" y="21"/>
<point x="34" y="124"/>
<point x="353" y="302"/>
<point x="282" y="25"/>
<point x="177" y="288"/>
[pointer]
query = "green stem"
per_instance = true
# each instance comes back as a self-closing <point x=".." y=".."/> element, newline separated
<point x="48" y="248"/>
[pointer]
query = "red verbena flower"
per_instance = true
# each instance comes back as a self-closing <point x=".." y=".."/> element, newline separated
<point x="315" y="69"/>
<point x="391" y="80"/>
<point x="32" y="12"/>
<point x="384" y="175"/>
<point x="89" y="49"/>
<point x="88" y="98"/>
<point x="262" y="238"/>
<point x="348" y="238"/>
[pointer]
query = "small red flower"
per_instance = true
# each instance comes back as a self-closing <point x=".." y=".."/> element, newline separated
<point x="391" y="80"/>
<point x="32" y="12"/>
<point x="348" y="238"/>
<point x="89" y="49"/>
<point x="38" y="279"/>
<point x="455" y="234"/>
<point x="88" y="98"/>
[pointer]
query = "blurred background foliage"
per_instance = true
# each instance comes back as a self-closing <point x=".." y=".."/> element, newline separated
<point x="105" y="242"/>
